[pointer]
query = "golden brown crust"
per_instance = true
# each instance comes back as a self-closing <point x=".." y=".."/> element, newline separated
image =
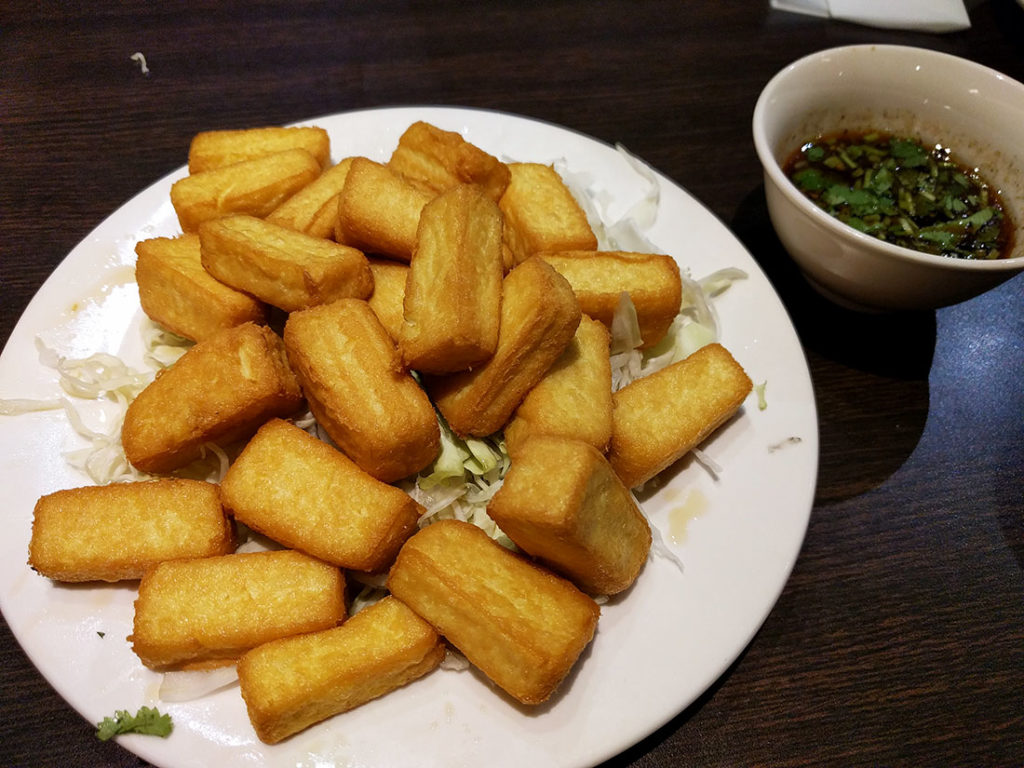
<point x="438" y="160"/>
<point x="539" y="316"/>
<point x="563" y="503"/>
<point x="388" y="297"/>
<point x="574" y="399"/>
<point x="659" y="418"/>
<point x="292" y="683"/>
<point x="176" y="292"/>
<point x="314" y="208"/>
<point x="255" y="187"/>
<point x="452" y="303"/>
<point x="287" y="269"/>
<point x="379" y="211"/>
<point x="219" y="391"/>
<point x="215" y="149"/>
<point x="304" y="494"/>
<point x="356" y="387"/>
<point x="521" y="625"/>
<point x="599" y="277"/>
<point x="115" y="532"/>
<point x="217" y="608"/>
<point x="541" y="214"/>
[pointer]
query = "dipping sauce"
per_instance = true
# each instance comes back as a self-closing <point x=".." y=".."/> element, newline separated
<point x="904" y="193"/>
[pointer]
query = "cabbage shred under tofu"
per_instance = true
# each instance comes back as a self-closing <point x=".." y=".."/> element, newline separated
<point x="102" y="377"/>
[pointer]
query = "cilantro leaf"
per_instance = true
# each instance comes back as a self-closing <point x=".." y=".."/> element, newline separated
<point x="910" y="154"/>
<point x="810" y="180"/>
<point x="815" y="154"/>
<point x="862" y="202"/>
<point x="942" y="237"/>
<point x="881" y="181"/>
<point x="981" y="217"/>
<point x="147" y="720"/>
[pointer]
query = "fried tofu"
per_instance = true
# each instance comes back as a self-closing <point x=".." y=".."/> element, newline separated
<point x="379" y="211"/>
<point x="574" y="399"/>
<point x="541" y="214"/>
<point x="521" y="625"/>
<point x="287" y="269"/>
<point x="304" y="494"/>
<point x="562" y="503"/>
<point x="115" y="532"/>
<point x="599" y="277"/>
<point x="215" y="149"/>
<point x="539" y="316"/>
<point x="452" y="305"/>
<point x="212" y="610"/>
<point x="438" y="160"/>
<point x="659" y="418"/>
<point x="352" y="375"/>
<point x="292" y="683"/>
<point x="221" y="390"/>
<point x="388" y="298"/>
<point x="314" y="208"/>
<point x="176" y="292"/>
<point x="255" y="187"/>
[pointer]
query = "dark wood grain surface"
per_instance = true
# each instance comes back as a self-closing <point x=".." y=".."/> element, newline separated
<point x="899" y="639"/>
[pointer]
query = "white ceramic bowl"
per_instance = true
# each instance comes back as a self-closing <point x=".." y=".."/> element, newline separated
<point x="936" y="98"/>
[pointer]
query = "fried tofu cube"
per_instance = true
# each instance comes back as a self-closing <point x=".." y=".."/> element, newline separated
<point x="215" y="149"/>
<point x="539" y="316"/>
<point x="379" y="211"/>
<point x="176" y="292"/>
<point x="661" y="417"/>
<point x="579" y="520"/>
<point x="521" y="625"/>
<point x="314" y="208"/>
<point x="287" y="269"/>
<point x="115" y="532"/>
<point x="352" y="375"/>
<point x="295" y="682"/>
<point x="221" y="390"/>
<point x="388" y="298"/>
<point x="439" y="160"/>
<point x="652" y="281"/>
<point x="541" y="214"/>
<point x="304" y="494"/>
<point x="212" y="610"/>
<point x="574" y="399"/>
<point x="255" y="187"/>
<point x="452" y="304"/>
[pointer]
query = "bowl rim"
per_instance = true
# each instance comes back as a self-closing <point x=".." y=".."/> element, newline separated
<point x="774" y="170"/>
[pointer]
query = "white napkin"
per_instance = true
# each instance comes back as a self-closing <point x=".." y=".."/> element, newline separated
<point x="921" y="15"/>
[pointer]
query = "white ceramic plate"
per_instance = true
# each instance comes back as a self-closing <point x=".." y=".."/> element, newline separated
<point x="658" y="646"/>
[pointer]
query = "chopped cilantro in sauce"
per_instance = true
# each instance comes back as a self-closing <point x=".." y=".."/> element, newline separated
<point x="904" y="193"/>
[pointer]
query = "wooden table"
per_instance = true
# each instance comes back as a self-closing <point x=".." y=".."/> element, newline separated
<point x="899" y="639"/>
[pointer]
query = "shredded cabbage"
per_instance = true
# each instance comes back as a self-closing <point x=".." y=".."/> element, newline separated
<point x="139" y="58"/>
<point x="188" y="685"/>
<point x="660" y="549"/>
<point x="373" y="588"/>
<point x="454" y="661"/>
<point x="627" y="232"/>
<point x="461" y="481"/>
<point x="762" y="400"/>
<point x="103" y="377"/>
